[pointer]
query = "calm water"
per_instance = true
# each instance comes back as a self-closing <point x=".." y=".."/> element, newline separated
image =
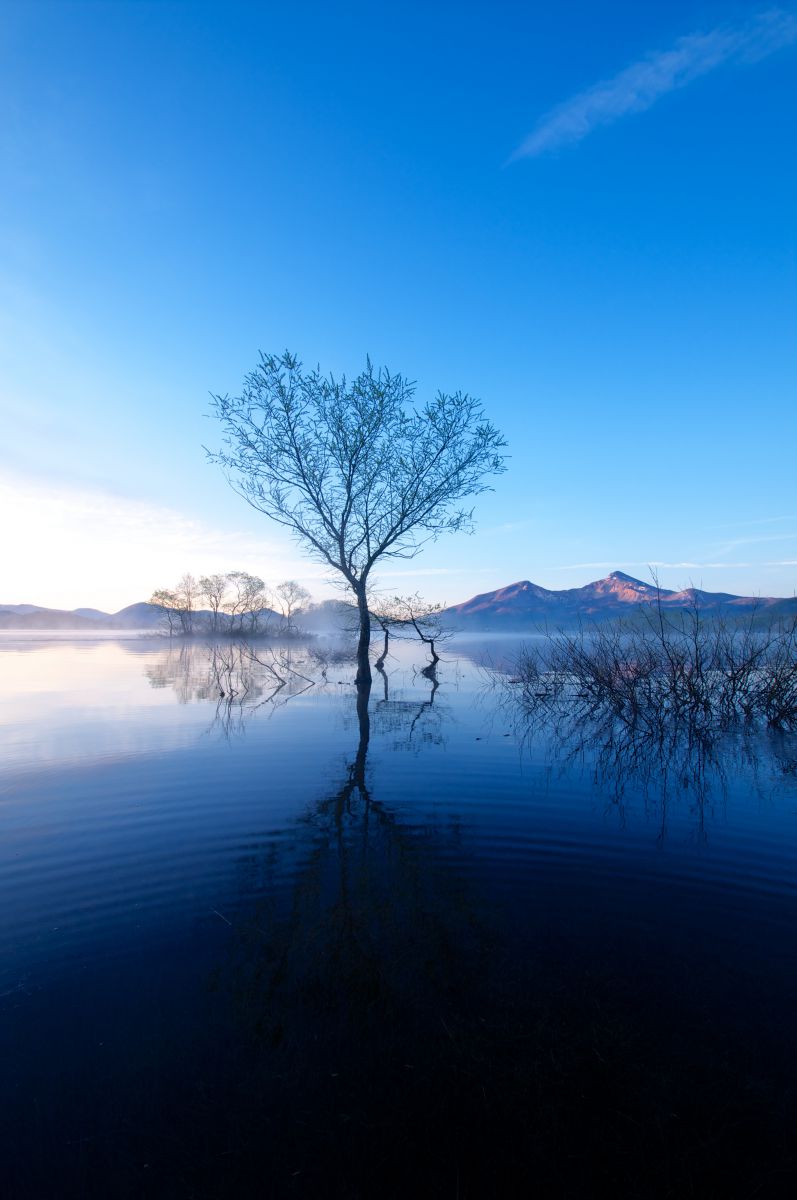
<point x="260" y="944"/>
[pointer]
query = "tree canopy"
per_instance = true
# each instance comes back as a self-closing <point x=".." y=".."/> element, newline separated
<point x="352" y="467"/>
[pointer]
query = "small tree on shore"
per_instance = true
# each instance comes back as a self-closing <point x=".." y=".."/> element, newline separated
<point x="241" y="598"/>
<point x="247" y="601"/>
<point x="188" y="594"/>
<point x="214" y="589"/>
<point x="352" y="468"/>
<point x="178" y="605"/>
<point x="291" y="598"/>
<point x="166" y="600"/>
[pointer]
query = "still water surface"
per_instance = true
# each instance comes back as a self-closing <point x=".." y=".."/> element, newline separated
<point x="258" y="944"/>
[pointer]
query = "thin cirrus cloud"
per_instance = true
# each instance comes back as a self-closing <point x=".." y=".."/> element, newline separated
<point x="639" y="86"/>
<point x="734" y="543"/>
<point x="660" y="564"/>
<point x="758" y="521"/>
<point x="648" y="564"/>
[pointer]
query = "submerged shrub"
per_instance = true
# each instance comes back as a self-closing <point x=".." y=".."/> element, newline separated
<point x="701" y="674"/>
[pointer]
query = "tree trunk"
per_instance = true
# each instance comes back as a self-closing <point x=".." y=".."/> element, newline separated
<point x="380" y="662"/>
<point x="364" y="722"/>
<point x="364" y="642"/>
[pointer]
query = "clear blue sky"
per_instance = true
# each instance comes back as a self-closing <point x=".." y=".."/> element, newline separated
<point x="583" y="213"/>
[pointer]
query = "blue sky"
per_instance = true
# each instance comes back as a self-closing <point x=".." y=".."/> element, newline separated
<point x="584" y="214"/>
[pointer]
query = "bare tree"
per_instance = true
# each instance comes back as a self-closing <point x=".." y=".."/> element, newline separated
<point x="178" y="604"/>
<point x="409" y="616"/>
<point x="214" y="589"/>
<point x="416" y="614"/>
<point x="385" y="615"/>
<point x="188" y="594"/>
<point x="259" y="608"/>
<point x="247" y="602"/>
<point x="352" y="468"/>
<point x="291" y="597"/>
<point x="166" y="601"/>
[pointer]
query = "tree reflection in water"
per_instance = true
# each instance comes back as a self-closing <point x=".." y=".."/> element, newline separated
<point x="357" y="995"/>
<point x="240" y="679"/>
<point x="381" y="1031"/>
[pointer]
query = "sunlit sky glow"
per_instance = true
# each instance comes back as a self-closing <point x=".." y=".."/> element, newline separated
<point x="583" y="214"/>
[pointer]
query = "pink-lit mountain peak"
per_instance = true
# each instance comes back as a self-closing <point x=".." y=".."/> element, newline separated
<point x="524" y="596"/>
<point x="523" y="587"/>
<point x="515" y="597"/>
<point x="525" y="603"/>
<point x="622" y="587"/>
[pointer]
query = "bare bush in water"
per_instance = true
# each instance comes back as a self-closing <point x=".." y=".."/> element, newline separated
<point x="702" y="674"/>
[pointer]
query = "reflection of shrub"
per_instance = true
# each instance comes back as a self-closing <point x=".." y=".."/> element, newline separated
<point x="704" y="674"/>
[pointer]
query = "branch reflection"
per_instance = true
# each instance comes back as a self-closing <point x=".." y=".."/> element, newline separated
<point x="240" y="679"/>
<point x="658" y="763"/>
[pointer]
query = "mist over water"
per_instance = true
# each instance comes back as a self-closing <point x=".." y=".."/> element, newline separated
<point x="261" y="935"/>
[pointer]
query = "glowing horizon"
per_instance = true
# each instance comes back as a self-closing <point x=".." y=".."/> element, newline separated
<point x="81" y="548"/>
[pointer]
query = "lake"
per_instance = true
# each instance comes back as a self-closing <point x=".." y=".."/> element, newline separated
<point x="259" y="939"/>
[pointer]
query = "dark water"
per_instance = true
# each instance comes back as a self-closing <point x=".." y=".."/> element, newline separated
<point x="261" y="944"/>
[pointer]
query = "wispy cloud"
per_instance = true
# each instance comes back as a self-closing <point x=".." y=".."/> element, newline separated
<point x="650" y="564"/>
<point x="639" y="86"/>
<point x="757" y="522"/>
<point x="660" y="564"/>
<point x="734" y="543"/>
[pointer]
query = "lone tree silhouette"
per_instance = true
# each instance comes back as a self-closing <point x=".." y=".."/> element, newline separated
<point x="352" y="468"/>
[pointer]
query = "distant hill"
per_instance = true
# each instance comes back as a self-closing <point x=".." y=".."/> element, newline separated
<point x="141" y="616"/>
<point x="526" y="604"/>
<point x="92" y="614"/>
<point x="31" y="616"/>
<point x="522" y="605"/>
<point x="137" y="616"/>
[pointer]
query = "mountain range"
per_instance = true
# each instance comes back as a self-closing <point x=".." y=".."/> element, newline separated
<point x="526" y="604"/>
<point x="32" y="616"/>
<point x="520" y="605"/>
